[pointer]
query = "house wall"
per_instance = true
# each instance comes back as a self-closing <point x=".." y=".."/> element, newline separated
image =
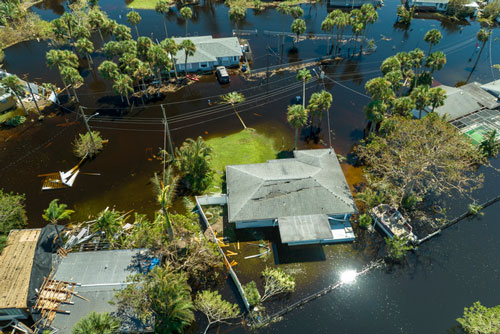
<point x="12" y="313"/>
<point x="431" y="6"/>
<point x="7" y="102"/>
<point x="210" y="65"/>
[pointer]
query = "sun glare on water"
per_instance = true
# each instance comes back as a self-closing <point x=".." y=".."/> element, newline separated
<point x="348" y="276"/>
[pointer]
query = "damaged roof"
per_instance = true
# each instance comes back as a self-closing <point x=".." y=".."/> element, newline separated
<point x="311" y="183"/>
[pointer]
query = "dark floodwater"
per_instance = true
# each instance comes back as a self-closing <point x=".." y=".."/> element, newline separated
<point x="425" y="296"/>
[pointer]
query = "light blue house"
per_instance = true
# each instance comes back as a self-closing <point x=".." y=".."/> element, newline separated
<point x="210" y="53"/>
<point x="306" y="197"/>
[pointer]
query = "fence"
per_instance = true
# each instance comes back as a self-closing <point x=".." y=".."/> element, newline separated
<point x="220" y="200"/>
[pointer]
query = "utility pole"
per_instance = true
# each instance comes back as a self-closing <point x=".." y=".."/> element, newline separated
<point x="33" y="97"/>
<point x="267" y="71"/>
<point x="87" y="126"/>
<point x="167" y="130"/>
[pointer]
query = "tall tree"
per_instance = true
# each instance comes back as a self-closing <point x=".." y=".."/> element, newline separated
<point x="158" y="59"/>
<point x="55" y="213"/>
<point x="165" y="189"/>
<point x="297" y="118"/>
<point x="327" y="26"/>
<point x="236" y="14"/>
<point x="134" y="18"/>
<point x="122" y="32"/>
<point x="193" y="161"/>
<point x="437" y="96"/>
<point x="163" y="7"/>
<point x="482" y="36"/>
<point x="96" y="19"/>
<point x="234" y="98"/>
<point x="186" y="14"/>
<point x="161" y="297"/>
<point x="304" y="75"/>
<point x="109" y="70"/>
<point x="72" y="77"/>
<point x="432" y="37"/>
<point x="217" y="310"/>
<point x="341" y="21"/>
<point x="171" y="47"/>
<point x="380" y="89"/>
<point x="189" y="49"/>
<point x="436" y="61"/>
<point x="143" y="71"/>
<point x="375" y="112"/>
<point x="97" y="323"/>
<point x="16" y="87"/>
<point x="479" y="319"/>
<point x="61" y="59"/>
<point x="284" y="9"/>
<point x="296" y="12"/>
<point x="143" y="45"/>
<point x="109" y="222"/>
<point x="298" y="28"/>
<point x="123" y="85"/>
<point x="85" y="47"/>
<point x="70" y="21"/>
<point x="420" y="95"/>
<point x="319" y="103"/>
<point x="402" y="106"/>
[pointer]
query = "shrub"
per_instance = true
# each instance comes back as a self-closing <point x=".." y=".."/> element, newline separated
<point x="397" y="247"/>
<point x="252" y="293"/>
<point x="12" y="214"/>
<point x="15" y="121"/>
<point x="83" y="146"/>
<point x="479" y="319"/>
<point x="475" y="209"/>
<point x="365" y="220"/>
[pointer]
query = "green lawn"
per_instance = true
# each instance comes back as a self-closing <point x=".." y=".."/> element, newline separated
<point x="143" y="4"/>
<point x="244" y="147"/>
<point x="10" y="114"/>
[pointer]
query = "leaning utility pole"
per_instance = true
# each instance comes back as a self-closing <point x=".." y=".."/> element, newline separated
<point x="87" y="126"/>
<point x="167" y="131"/>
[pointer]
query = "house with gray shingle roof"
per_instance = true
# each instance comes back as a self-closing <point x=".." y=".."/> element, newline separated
<point x="210" y="53"/>
<point x="306" y="196"/>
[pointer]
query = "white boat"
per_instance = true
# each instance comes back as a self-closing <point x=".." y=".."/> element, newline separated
<point x="392" y="222"/>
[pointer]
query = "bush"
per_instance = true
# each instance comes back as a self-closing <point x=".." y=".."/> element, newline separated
<point x="252" y="293"/>
<point x="365" y="220"/>
<point x="479" y="319"/>
<point x="83" y="146"/>
<point x="193" y="161"/>
<point x="15" y="121"/>
<point x="475" y="209"/>
<point x="397" y="247"/>
<point x="12" y="214"/>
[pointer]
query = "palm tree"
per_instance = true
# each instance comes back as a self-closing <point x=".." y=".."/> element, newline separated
<point x="482" y="36"/>
<point x="370" y="15"/>
<point x="402" y="106"/>
<point x="141" y="72"/>
<point x="297" y="118"/>
<point x="85" y="47"/>
<point x="158" y="58"/>
<point x="375" y="112"/>
<point x="143" y="45"/>
<point x="81" y="32"/>
<point x="437" y="96"/>
<point x="380" y="89"/>
<point x="284" y="9"/>
<point x="97" y="323"/>
<point x="133" y="18"/>
<point x="60" y="59"/>
<point x="296" y="12"/>
<point x="390" y="64"/>
<point x="420" y="95"/>
<point x="298" y="28"/>
<point x="304" y="75"/>
<point x="109" y="222"/>
<point x="70" y="21"/>
<point x="341" y="21"/>
<point x="163" y="7"/>
<point x="165" y="194"/>
<point x="123" y="85"/>
<point x="319" y="103"/>
<point x="72" y="77"/>
<point x="236" y="14"/>
<point x="186" y="14"/>
<point x="432" y="37"/>
<point x="189" y="49"/>
<point x="56" y="212"/>
<point x="327" y="26"/>
<point x="109" y="70"/>
<point x="122" y="32"/>
<point x="15" y="85"/>
<point x="109" y="26"/>
<point x="193" y="161"/>
<point x="96" y="20"/>
<point x="491" y="144"/>
<point x="436" y="61"/>
<point x="171" y="47"/>
<point x="234" y="98"/>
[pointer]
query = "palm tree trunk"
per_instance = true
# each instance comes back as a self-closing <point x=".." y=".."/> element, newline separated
<point x="100" y="34"/>
<point x="304" y="94"/>
<point x="186" y="27"/>
<point x="128" y="101"/>
<point x="475" y="64"/>
<point x="170" y="231"/>
<point x="430" y="48"/>
<point x="34" y="100"/>
<point x="175" y="67"/>
<point x="165" y="24"/>
<point x="58" y="233"/>
<point x="144" y="88"/>
<point x="74" y="92"/>
<point x="137" y="31"/>
<point x="159" y="78"/>
<point x="420" y="114"/>
<point x="22" y="104"/>
<point x="238" y="115"/>
<point x="185" y="65"/>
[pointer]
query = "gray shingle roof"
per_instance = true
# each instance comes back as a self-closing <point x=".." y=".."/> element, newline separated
<point x="208" y="49"/>
<point x="304" y="228"/>
<point x="493" y="87"/>
<point x="309" y="184"/>
<point x="465" y="100"/>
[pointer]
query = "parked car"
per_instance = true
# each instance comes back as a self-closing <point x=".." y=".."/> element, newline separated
<point x="221" y="73"/>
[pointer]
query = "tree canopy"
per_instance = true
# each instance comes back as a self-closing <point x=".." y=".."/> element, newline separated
<point x="479" y="319"/>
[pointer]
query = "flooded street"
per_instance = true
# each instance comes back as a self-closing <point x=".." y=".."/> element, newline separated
<point x="425" y="295"/>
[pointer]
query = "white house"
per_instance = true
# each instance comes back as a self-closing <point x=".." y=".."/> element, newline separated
<point x="430" y="5"/>
<point x="306" y="197"/>
<point x="210" y="53"/>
